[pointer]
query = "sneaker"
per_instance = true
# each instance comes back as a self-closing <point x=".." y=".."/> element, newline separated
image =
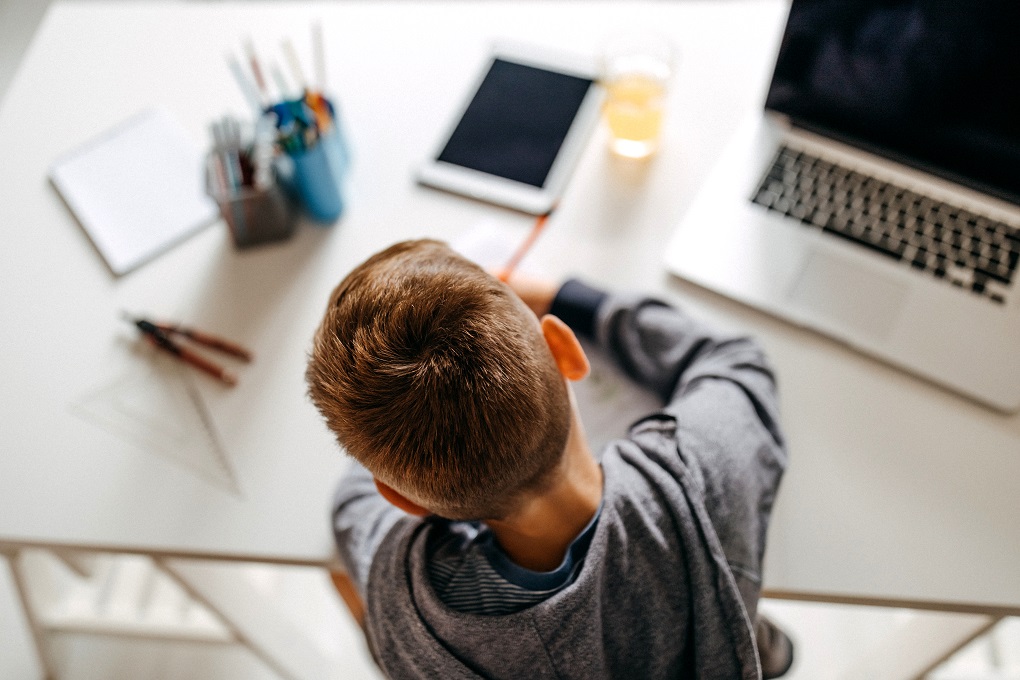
<point x="775" y="649"/>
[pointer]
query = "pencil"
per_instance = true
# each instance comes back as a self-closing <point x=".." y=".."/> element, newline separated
<point x="256" y="70"/>
<point x="320" y="56"/>
<point x="295" y="64"/>
<point x="523" y="249"/>
<point x="248" y="88"/>
<point x="281" y="82"/>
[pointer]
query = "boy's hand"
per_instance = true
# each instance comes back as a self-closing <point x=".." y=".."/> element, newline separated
<point x="536" y="293"/>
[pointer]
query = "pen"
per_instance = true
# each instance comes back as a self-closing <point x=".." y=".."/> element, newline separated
<point x="525" y="246"/>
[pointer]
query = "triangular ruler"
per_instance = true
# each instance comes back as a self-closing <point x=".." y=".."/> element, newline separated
<point x="159" y="411"/>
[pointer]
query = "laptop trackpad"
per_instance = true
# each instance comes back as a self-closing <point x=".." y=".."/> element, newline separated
<point x="841" y="293"/>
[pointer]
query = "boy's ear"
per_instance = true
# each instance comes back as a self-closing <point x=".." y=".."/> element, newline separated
<point x="397" y="499"/>
<point x="565" y="348"/>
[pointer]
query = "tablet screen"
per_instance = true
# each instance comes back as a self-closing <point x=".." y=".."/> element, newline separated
<point x="516" y="122"/>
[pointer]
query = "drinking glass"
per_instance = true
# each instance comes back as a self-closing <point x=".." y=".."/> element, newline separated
<point x="636" y="69"/>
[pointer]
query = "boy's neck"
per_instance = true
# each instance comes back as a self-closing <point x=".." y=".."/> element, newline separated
<point x="537" y="536"/>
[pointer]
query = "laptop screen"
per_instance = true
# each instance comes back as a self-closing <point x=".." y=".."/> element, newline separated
<point x="931" y="83"/>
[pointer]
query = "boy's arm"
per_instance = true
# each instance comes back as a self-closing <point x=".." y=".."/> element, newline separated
<point x="666" y="350"/>
<point x="721" y="392"/>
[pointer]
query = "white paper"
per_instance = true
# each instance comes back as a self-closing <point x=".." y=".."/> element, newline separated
<point x="137" y="190"/>
<point x="490" y="244"/>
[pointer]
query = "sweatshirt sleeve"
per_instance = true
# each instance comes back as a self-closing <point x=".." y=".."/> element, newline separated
<point x="361" y="520"/>
<point x="667" y="351"/>
<point x="719" y="391"/>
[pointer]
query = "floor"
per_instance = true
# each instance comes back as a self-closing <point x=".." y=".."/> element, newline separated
<point x="833" y="642"/>
<point x="831" y="639"/>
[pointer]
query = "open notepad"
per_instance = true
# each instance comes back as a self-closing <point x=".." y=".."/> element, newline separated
<point x="137" y="190"/>
<point x="608" y="401"/>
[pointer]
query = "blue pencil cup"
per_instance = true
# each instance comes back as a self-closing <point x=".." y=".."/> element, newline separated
<point x="318" y="175"/>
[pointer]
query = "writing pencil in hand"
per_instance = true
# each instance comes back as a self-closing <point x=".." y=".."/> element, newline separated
<point x="522" y="250"/>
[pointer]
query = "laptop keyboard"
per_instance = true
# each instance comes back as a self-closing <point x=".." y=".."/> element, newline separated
<point x="964" y="249"/>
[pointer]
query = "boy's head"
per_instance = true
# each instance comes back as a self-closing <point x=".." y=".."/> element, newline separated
<point x="436" y="377"/>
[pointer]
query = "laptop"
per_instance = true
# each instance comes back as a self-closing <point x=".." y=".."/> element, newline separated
<point x="877" y="197"/>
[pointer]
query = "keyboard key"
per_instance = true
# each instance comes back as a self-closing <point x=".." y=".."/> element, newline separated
<point x="994" y="273"/>
<point x="896" y="255"/>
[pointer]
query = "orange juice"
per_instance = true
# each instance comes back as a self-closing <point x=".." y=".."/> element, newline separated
<point x="636" y="68"/>
<point x="633" y="109"/>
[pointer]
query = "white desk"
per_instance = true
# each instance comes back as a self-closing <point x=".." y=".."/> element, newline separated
<point x="898" y="492"/>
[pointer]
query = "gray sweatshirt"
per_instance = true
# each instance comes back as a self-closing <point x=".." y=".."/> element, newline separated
<point x="669" y="584"/>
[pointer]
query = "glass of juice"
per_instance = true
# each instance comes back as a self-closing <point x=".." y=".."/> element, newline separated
<point x="636" y="69"/>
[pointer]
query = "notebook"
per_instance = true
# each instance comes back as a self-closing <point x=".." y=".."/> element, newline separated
<point x="877" y="197"/>
<point x="136" y="190"/>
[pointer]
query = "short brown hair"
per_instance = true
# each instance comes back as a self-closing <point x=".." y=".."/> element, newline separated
<point x="436" y="377"/>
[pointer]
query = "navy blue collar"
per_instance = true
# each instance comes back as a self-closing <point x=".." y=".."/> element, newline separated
<point x="540" y="580"/>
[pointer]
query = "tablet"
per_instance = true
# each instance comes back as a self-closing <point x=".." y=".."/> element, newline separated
<point x="520" y="132"/>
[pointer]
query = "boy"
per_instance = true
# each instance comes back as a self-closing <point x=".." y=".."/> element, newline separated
<point x="482" y="534"/>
